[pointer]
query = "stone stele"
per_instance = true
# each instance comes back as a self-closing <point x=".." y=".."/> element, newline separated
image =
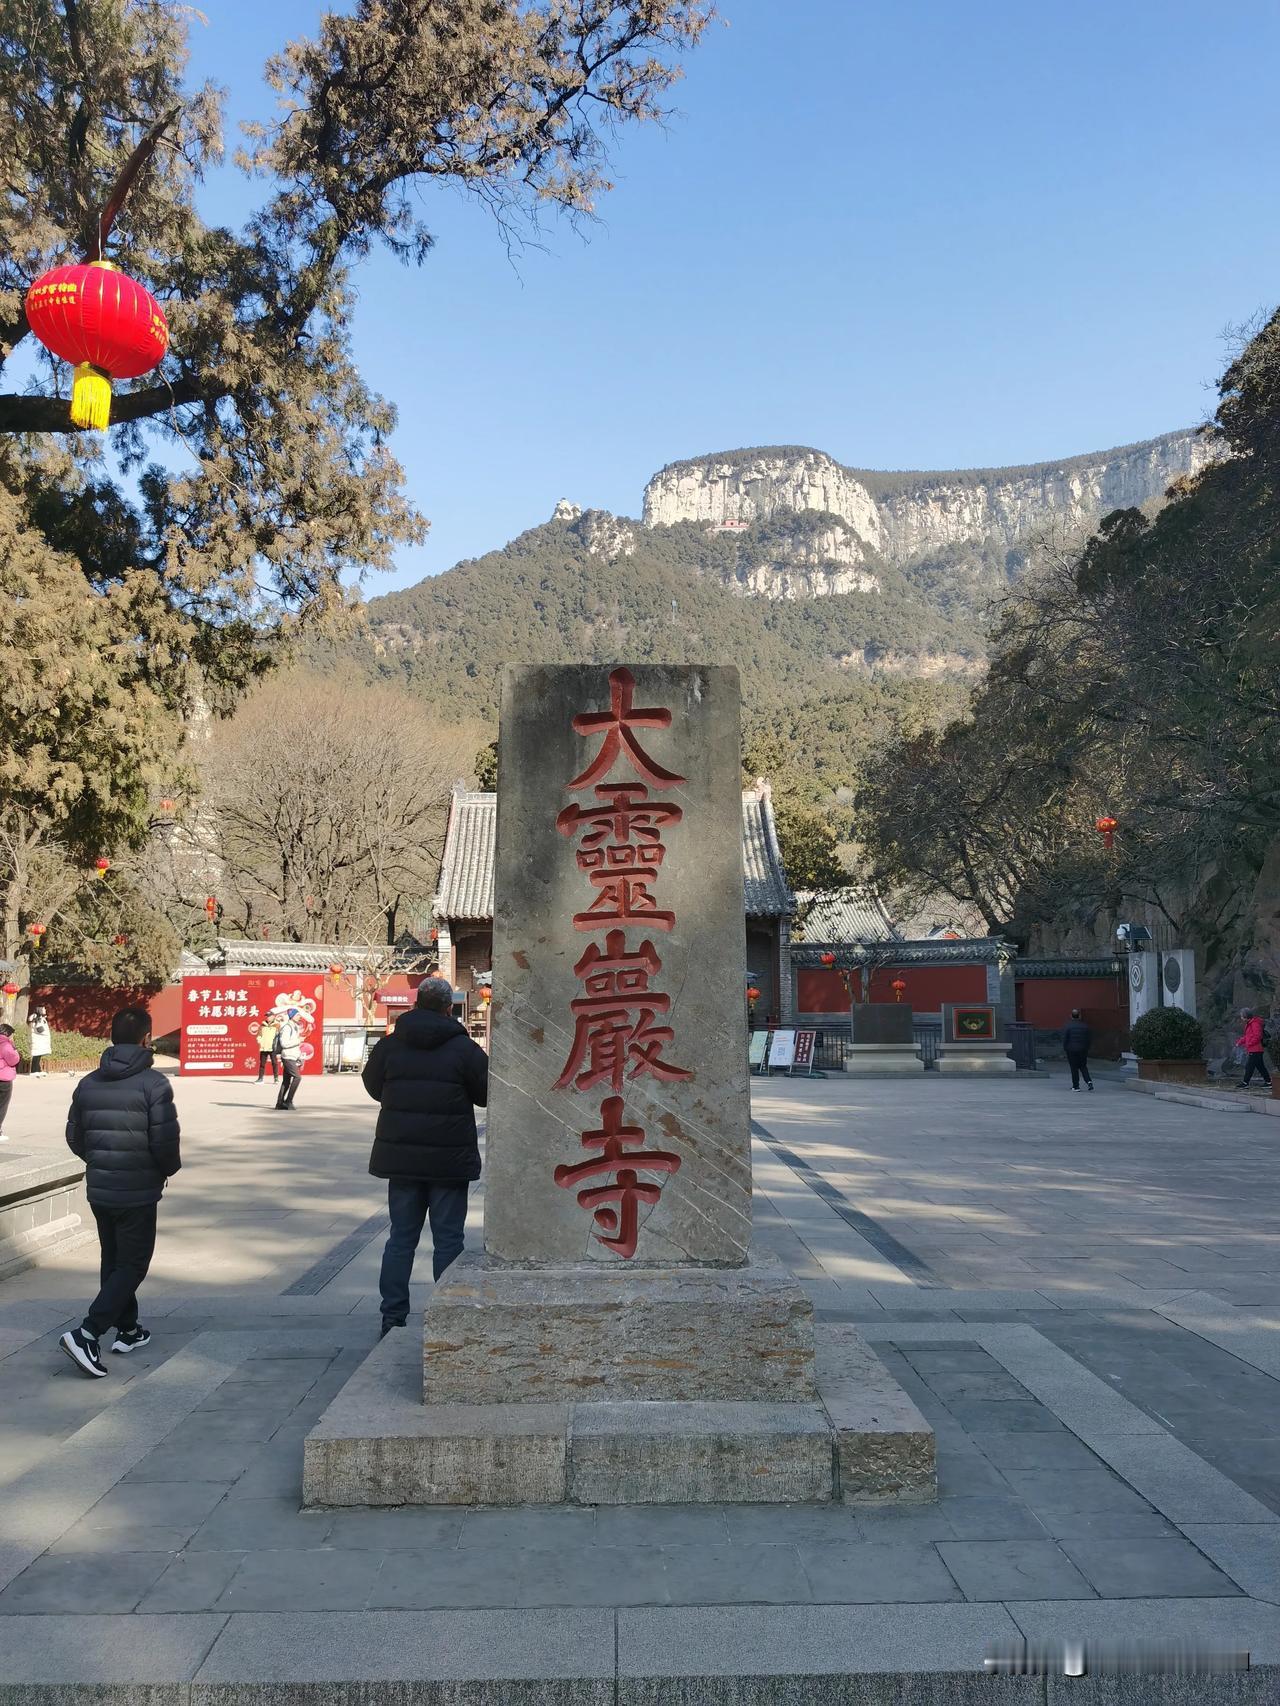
<point x="618" y="888"/>
<point x="617" y="1341"/>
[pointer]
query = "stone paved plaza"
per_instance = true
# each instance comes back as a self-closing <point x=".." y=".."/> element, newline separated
<point x="1082" y="1294"/>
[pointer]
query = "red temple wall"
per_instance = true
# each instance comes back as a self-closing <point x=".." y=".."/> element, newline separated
<point x="821" y="991"/>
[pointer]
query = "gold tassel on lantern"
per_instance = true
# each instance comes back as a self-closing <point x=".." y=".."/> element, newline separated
<point x="91" y="397"/>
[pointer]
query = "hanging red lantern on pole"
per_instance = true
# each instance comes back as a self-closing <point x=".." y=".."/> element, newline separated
<point x="37" y="933"/>
<point x="827" y="959"/>
<point x="104" y="322"/>
<point x="1106" y="828"/>
<point x="10" y="990"/>
<point x="335" y="974"/>
<point x="899" y="988"/>
<point x="211" y="907"/>
<point x="101" y="866"/>
<point x="486" y="996"/>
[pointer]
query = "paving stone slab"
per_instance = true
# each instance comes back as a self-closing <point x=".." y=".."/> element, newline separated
<point x="69" y="1651"/>
<point x="1181" y="1485"/>
<point x="804" y="1641"/>
<point x="999" y="1569"/>
<point x="877" y="1572"/>
<point x="1248" y="1552"/>
<point x="322" y="1579"/>
<point x="573" y="1648"/>
<point x="1147" y="1569"/>
<point x="1207" y="1625"/>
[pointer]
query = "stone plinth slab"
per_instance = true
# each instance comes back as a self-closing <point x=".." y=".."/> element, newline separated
<point x="42" y="1209"/>
<point x="378" y="1444"/>
<point x="976" y="1058"/>
<point x="883" y="1060"/>
<point x="649" y="1453"/>
<point x="885" y="1449"/>
<point x="499" y="1335"/>
<point x="618" y="1019"/>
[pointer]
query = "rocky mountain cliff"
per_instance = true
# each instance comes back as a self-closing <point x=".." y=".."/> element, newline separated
<point x="852" y="601"/>
<point x="900" y="518"/>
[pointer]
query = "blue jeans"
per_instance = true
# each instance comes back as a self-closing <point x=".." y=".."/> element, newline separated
<point x="410" y="1202"/>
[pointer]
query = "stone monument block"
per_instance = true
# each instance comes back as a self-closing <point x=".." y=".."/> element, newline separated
<point x="880" y="1022"/>
<point x="501" y="1335"/>
<point x="618" y="1113"/>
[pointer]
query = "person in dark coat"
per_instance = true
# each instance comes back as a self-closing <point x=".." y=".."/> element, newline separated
<point x="124" y="1127"/>
<point x="429" y="1077"/>
<point x="1077" y="1039"/>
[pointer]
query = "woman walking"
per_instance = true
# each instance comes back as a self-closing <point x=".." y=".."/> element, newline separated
<point x="41" y="1038"/>
<point x="1252" y="1040"/>
<point x="9" y="1058"/>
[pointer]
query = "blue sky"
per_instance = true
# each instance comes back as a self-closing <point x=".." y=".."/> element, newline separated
<point x="912" y="233"/>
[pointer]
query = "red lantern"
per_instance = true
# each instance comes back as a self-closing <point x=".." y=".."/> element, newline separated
<point x="899" y="988"/>
<point x="102" y="866"/>
<point x="753" y="995"/>
<point x="37" y="933"/>
<point x="10" y="990"/>
<point x="211" y="907"/>
<point x="106" y="323"/>
<point x="827" y="959"/>
<point x="335" y="974"/>
<point x="1106" y="828"/>
<point x="119" y="941"/>
<point x="166" y="806"/>
<point x="486" y="996"/>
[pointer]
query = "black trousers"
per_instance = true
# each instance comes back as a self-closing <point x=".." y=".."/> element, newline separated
<point x="127" y="1238"/>
<point x="6" y="1090"/>
<point x="289" y="1085"/>
<point x="1257" y="1063"/>
<point x="265" y="1055"/>
<point x="1079" y="1064"/>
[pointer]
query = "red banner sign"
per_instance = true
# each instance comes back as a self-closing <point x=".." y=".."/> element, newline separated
<point x="223" y="1012"/>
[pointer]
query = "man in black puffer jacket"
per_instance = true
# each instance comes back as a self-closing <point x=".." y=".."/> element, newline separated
<point x="124" y="1127"/>
<point x="1077" y="1040"/>
<point x="429" y="1077"/>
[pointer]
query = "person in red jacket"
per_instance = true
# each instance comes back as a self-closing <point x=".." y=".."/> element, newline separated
<point x="1251" y="1041"/>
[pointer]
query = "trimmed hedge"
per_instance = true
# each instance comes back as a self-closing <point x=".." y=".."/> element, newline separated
<point x="1167" y="1033"/>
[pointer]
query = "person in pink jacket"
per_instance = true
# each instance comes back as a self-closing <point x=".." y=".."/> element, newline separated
<point x="1251" y="1040"/>
<point x="9" y="1058"/>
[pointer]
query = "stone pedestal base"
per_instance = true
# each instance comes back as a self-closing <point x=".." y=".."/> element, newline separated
<point x="862" y="1440"/>
<point x="976" y="1057"/>
<point x="883" y="1060"/>
<point x="496" y="1334"/>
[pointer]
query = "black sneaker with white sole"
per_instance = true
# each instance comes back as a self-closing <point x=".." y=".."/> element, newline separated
<point x="84" y="1352"/>
<point x="131" y="1341"/>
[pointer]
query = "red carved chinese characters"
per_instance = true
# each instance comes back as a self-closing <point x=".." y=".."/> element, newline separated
<point x="616" y="1204"/>
<point x="614" y="1025"/>
<point x="620" y="1033"/>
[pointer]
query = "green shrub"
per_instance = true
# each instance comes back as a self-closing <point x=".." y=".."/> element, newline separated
<point x="68" y="1047"/>
<point x="1167" y="1033"/>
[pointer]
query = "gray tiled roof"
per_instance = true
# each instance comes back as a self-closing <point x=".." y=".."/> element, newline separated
<point x="466" y="870"/>
<point x="850" y="916"/>
<point x="295" y="956"/>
